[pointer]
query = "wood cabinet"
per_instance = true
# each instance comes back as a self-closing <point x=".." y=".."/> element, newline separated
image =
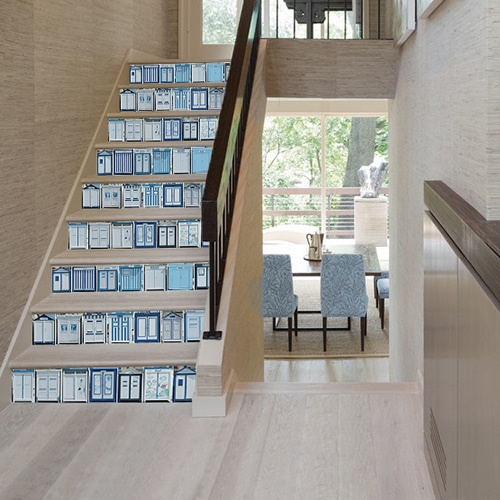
<point x="461" y="365"/>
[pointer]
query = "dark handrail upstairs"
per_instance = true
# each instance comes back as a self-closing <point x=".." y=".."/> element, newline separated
<point x="220" y="187"/>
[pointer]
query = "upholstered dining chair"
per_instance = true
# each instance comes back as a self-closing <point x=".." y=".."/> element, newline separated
<point x="343" y="290"/>
<point x="382" y="294"/>
<point x="278" y="299"/>
<point x="382" y="275"/>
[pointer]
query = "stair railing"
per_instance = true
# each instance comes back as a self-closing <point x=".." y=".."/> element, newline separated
<point x="222" y="177"/>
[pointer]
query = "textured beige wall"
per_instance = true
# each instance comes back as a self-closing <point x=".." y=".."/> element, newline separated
<point x="441" y="126"/>
<point x="59" y="60"/>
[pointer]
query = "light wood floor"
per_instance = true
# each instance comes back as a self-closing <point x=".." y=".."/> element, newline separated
<point x="309" y="440"/>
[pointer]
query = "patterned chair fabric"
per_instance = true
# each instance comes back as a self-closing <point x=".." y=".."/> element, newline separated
<point x="382" y="294"/>
<point x="343" y="290"/>
<point x="278" y="299"/>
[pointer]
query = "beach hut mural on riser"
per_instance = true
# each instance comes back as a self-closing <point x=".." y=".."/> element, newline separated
<point x="149" y="157"/>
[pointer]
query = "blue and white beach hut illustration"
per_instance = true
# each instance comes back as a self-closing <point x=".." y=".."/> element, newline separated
<point x="69" y="328"/>
<point x="128" y="101"/>
<point x="182" y="72"/>
<point x="122" y="234"/>
<point x="75" y="385"/>
<point x="142" y="161"/>
<point x="133" y="129"/>
<point x="181" y="160"/>
<point x="130" y="385"/>
<point x="83" y="279"/>
<point x="151" y="195"/>
<point x="172" y="326"/>
<point x="91" y="196"/>
<point x="184" y="384"/>
<point x="104" y="162"/>
<point x="145" y="234"/>
<point x="162" y="159"/>
<point x="199" y="99"/>
<point x="107" y="278"/>
<point x="201" y="275"/>
<point x="131" y="278"/>
<point x="135" y="73"/>
<point x="158" y="383"/>
<point x="145" y="99"/>
<point x="215" y="72"/>
<point x="153" y="128"/>
<point x="200" y="159"/>
<point x="192" y="195"/>
<point x="94" y="328"/>
<point x="47" y="386"/>
<point x="172" y="129"/>
<point x="167" y="235"/>
<point x="215" y="98"/>
<point x="77" y="235"/>
<point x="163" y="99"/>
<point x="121" y="327"/>
<point x="23" y="386"/>
<point x="190" y="129"/>
<point x="172" y="194"/>
<point x="44" y="328"/>
<point x="61" y="279"/>
<point x="103" y="385"/>
<point x="132" y="195"/>
<point x="116" y="129"/>
<point x="123" y="162"/>
<point x="198" y="72"/>
<point x="99" y="234"/>
<point x="167" y="73"/>
<point x="155" y="277"/>
<point x="147" y="326"/>
<point x="150" y="73"/>
<point x="180" y="276"/>
<point x="193" y="325"/>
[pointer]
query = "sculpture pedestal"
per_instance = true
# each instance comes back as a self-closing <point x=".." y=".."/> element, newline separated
<point x="370" y="220"/>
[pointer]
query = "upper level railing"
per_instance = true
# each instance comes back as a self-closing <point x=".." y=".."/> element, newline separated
<point x="323" y="19"/>
<point x="222" y="178"/>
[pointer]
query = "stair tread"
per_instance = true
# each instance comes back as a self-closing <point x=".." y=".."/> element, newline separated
<point x="131" y="214"/>
<point x="106" y="355"/>
<point x="131" y="256"/>
<point x="143" y="179"/>
<point x="170" y="300"/>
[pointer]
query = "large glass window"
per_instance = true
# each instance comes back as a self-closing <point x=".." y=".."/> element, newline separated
<point x="310" y="166"/>
<point x="220" y="21"/>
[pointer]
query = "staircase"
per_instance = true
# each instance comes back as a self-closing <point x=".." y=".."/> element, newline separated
<point x="117" y="311"/>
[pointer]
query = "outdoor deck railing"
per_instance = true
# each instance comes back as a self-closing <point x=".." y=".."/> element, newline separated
<point x="336" y="217"/>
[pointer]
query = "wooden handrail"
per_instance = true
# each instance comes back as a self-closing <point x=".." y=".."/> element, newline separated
<point x="220" y="187"/>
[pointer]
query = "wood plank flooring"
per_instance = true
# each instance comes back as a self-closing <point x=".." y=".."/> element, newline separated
<point x="348" y="440"/>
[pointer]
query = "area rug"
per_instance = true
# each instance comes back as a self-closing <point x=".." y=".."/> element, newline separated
<point x="340" y="344"/>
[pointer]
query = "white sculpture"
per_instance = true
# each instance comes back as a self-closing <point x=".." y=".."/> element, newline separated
<point x="371" y="178"/>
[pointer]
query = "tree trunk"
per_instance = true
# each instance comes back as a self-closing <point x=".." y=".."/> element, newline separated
<point x="361" y="152"/>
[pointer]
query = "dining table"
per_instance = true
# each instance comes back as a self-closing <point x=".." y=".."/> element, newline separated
<point x="302" y="266"/>
<point x="305" y="267"/>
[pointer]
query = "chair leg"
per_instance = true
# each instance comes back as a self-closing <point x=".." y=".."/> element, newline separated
<point x="381" y="312"/>
<point x="290" y="334"/>
<point x="324" y="334"/>
<point x="296" y="319"/>
<point x="363" y="332"/>
<point x="375" y="292"/>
